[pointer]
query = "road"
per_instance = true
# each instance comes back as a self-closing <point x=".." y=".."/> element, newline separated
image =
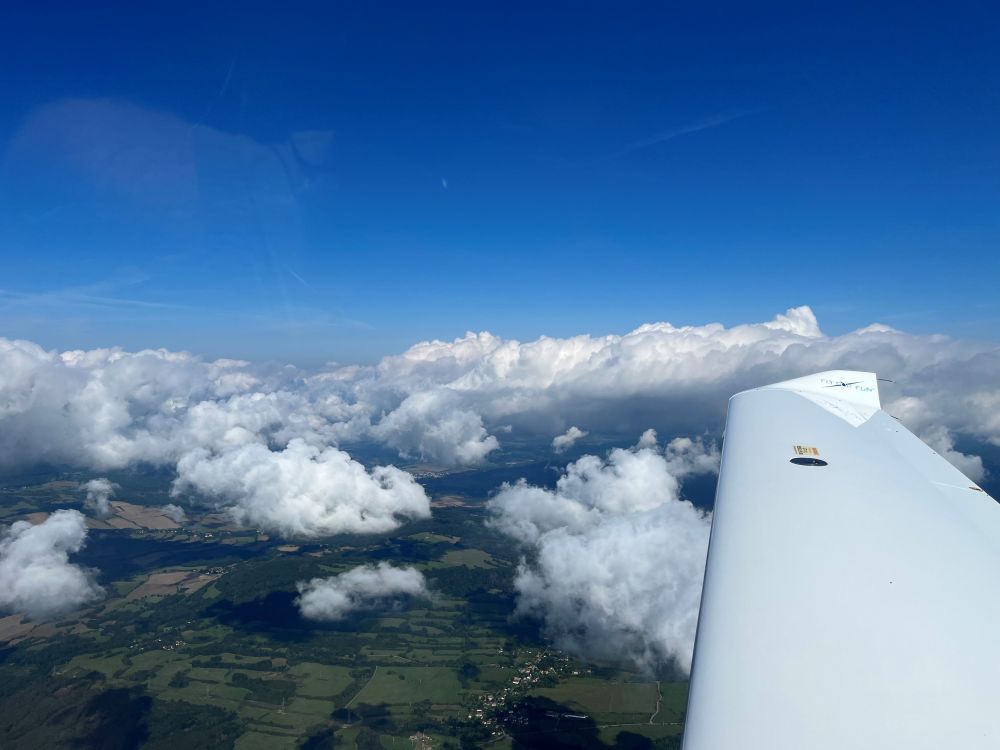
<point x="374" y="672"/>
<point x="659" y="697"/>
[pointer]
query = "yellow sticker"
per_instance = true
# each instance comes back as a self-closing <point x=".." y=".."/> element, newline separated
<point x="805" y="450"/>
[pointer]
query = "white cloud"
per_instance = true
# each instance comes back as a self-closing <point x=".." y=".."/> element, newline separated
<point x="175" y="513"/>
<point x="431" y="425"/>
<point x="680" y="377"/>
<point x="687" y="457"/>
<point x="99" y="494"/>
<point x="363" y="587"/>
<point x="106" y="408"/>
<point x="36" y="576"/>
<point x="564" y="442"/>
<point x="303" y="490"/>
<point x="215" y="421"/>
<point x="617" y="556"/>
<point x="446" y="402"/>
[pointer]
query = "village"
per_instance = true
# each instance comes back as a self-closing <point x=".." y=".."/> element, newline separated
<point x="505" y="708"/>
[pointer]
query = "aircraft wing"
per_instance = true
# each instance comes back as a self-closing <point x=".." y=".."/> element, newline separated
<point x="852" y="593"/>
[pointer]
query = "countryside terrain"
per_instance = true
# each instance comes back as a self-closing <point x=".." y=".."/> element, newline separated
<point x="198" y="642"/>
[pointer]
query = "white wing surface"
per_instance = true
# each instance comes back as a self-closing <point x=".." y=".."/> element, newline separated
<point x="852" y="598"/>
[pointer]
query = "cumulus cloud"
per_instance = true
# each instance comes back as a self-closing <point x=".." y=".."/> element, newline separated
<point x="447" y="402"/>
<point x="564" y="442"/>
<point x="99" y="494"/>
<point x="680" y="377"/>
<point x="685" y="456"/>
<point x="303" y="490"/>
<point x="36" y="577"/>
<point x="432" y="425"/>
<point x="216" y="422"/>
<point x="616" y="557"/>
<point x="175" y="513"/>
<point x="361" y="588"/>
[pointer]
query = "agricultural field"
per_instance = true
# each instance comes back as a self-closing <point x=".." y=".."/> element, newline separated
<point x="198" y="638"/>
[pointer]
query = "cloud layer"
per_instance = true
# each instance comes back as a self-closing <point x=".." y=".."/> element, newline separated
<point x="362" y="588"/>
<point x="615" y="556"/>
<point x="449" y="403"/>
<point x="680" y="378"/>
<point x="259" y="443"/>
<point x="36" y="576"/>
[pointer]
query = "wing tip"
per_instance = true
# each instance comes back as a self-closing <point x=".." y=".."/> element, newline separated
<point x="854" y="386"/>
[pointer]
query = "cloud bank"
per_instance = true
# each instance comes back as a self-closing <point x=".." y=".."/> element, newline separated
<point x="362" y="588"/>
<point x="615" y="556"/>
<point x="448" y="403"/>
<point x="680" y="377"/>
<point x="36" y="576"/>
<point x="260" y="444"/>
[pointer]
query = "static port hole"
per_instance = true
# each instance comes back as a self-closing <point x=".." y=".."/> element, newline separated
<point x="803" y="461"/>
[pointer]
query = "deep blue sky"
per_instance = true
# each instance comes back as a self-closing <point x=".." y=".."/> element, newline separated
<point x="312" y="183"/>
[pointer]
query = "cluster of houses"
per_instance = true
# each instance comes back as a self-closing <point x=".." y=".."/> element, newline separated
<point x="164" y="644"/>
<point x="502" y="708"/>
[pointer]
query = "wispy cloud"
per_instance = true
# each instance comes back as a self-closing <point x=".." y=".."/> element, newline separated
<point x="291" y="317"/>
<point x="299" y="279"/>
<point x="10" y="298"/>
<point x="98" y="294"/>
<point x="107" y="294"/>
<point x="229" y="76"/>
<point x="694" y="127"/>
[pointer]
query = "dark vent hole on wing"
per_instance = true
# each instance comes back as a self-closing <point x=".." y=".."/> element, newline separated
<point x="803" y="461"/>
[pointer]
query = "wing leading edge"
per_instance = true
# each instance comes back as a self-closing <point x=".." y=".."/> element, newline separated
<point x="851" y="598"/>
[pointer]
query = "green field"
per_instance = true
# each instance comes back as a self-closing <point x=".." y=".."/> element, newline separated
<point x="601" y="698"/>
<point x="397" y="686"/>
<point x="234" y="665"/>
<point x="320" y="680"/>
<point x="470" y="558"/>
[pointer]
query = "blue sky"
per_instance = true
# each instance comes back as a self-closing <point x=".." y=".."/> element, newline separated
<point x="308" y="183"/>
